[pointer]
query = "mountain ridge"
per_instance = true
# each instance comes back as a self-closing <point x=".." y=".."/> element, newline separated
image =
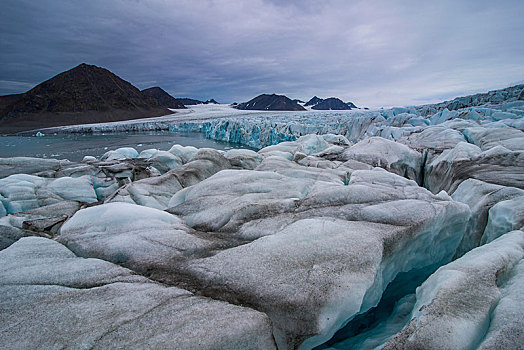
<point x="273" y="102"/>
<point x="163" y="98"/>
<point x="83" y="94"/>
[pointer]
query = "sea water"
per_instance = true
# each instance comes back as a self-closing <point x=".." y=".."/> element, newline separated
<point x="75" y="146"/>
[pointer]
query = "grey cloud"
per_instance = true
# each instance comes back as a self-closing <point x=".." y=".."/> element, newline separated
<point x="370" y="52"/>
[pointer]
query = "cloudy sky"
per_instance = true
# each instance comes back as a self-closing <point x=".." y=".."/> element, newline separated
<point x="374" y="53"/>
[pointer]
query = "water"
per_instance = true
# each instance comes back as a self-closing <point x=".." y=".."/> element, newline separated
<point x="75" y="146"/>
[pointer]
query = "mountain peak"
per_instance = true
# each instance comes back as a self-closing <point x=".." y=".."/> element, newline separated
<point x="273" y="102"/>
<point x="83" y="94"/>
<point x="331" y="103"/>
<point x="163" y="98"/>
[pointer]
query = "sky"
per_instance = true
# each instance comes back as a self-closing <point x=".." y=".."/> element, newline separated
<point x="373" y="53"/>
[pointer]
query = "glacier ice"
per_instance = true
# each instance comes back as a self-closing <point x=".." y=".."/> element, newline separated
<point x="129" y="234"/>
<point x="392" y="156"/>
<point x="498" y="165"/>
<point x="27" y="165"/>
<point x="186" y="153"/>
<point x="22" y="192"/>
<point x="504" y="216"/>
<point x="386" y="228"/>
<point x="454" y="306"/>
<point x="120" y="153"/>
<point x="157" y="191"/>
<point x="115" y="307"/>
<point x="302" y="233"/>
<point x="413" y="125"/>
<point x="481" y="197"/>
<point x="243" y="158"/>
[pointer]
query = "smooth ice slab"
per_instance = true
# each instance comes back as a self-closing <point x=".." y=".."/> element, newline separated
<point x="129" y="234"/>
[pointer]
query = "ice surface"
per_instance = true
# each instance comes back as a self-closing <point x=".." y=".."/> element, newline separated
<point x="74" y="188"/>
<point x="46" y="287"/>
<point x="481" y="197"/>
<point x="507" y="320"/>
<point x="120" y="153"/>
<point x="392" y="156"/>
<point x="185" y="153"/>
<point x="304" y="230"/>
<point x="147" y="153"/>
<point x="129" y="234"/>
<point x="487" y="138"/>
<point x="156" y="192"/>
<point x="326" y="226"/>
<point x="454" y="306"/>
<point x="165" y="161"/>
<point x="243" y="158"/>
<point x="26" y="165"/>
<point x="439" y="173"/>
<point x="504" y="216"/>
<point x="498" y="165"/>
<point x="22" y="192"/>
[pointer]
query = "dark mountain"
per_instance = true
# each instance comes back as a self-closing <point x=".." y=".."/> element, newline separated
<point x="9" y="99"/>
<point x="270" y="103"/>
<point x="314" y="100"/>
<point x="191" y="102"/>
<point x="163" y="98"/>
<point x="331" y="103"/>
<point x="84" y="94"/>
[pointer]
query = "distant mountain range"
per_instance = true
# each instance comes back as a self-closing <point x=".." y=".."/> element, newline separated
<point x="90" y="94"/>
<point x="83" y="94"/>
<point x="272" y="102"/>
<point x="192" y="102"/>
<point x="331" y="103"/>
<point x="275" y="102"/>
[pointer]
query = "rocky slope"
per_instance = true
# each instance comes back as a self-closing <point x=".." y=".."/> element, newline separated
<point x="191" y="102"/>
<point x="313" y="101"/>
<point x="331" y="103"/>
<point x="272" y="102"/>
<point x="163" y="99"/>
<point x="6" y="100"/>
<point x="327" y="104"/>
<point x="405" y="235"/>
<point x="84" y="94"/>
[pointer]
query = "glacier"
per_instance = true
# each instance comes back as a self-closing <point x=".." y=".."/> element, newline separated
<point x="394" y="228"/>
